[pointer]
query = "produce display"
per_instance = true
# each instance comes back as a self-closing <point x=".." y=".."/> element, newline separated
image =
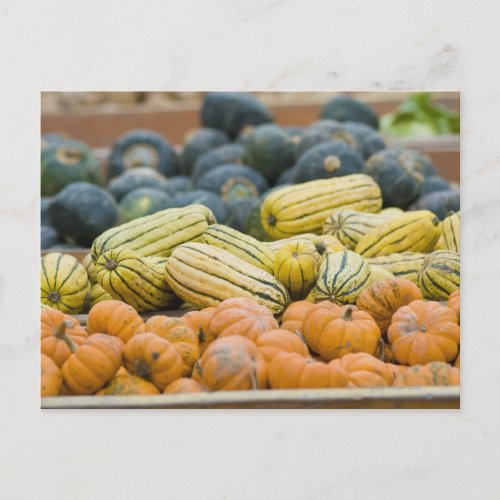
<point x="258" y="257"/>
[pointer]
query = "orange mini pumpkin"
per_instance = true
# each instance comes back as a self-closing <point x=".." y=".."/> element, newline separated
<point x="241" y="316"/>
<point x="183" y="386"/>
<point x="50" y="377"/>
<point x="153" y="358"/>
<point x="184" y="338"/>
<point x="457" y="361"/>
<point x="274" y="341"/>
<point x="395" y="370"/>
<point x="289" y="370"/>
<point x="431" y="374"/>
<point x="384" y="297"/>
<point x="92" y="363"/>
<point x="124" y="384"/>
<point x="333" y="332"/>
<point x="365" y="370"/>
<point x="422" y="332"/>
<point x="115" y="318"/>
<point x="454" y="303"/>
<point x="231" y="364"/>
<point x="55" y="328"/>
<point x="293" y="317"/>
<point x="199" y="321"/>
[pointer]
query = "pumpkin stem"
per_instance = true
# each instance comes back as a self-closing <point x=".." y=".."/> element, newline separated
<point x="61" y="334"/>
<point x="379" y="353"/>
<point x="111" y="264"/>
<point x="253" y="376"/>
<point x="348" y="313"/>
<point x="320" y="248"/>
<point x="271" y="220"/>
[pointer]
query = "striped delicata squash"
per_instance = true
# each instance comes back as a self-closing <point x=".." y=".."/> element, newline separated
<point x="314" y="238"/>
<point x="64" y="283"/>
<point x="138" y="281"/>
<point x="303" y="208"/>
<point x="204" y="275"/>
<point x="341" y="278"/>
<point x="349" y="226"/>
<point x="416" y="231"/>
<point x="402" y="265"/>
<point x="439" y="276"/>
<point x="241" y="245"/>
<point x="296" y="266"/>
<point x="157" y="234"/>
<point x="451" y="232"/>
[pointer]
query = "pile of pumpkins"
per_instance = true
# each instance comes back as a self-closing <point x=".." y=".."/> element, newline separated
<point x="236" y="159"/>
<point x="391" y="337"/>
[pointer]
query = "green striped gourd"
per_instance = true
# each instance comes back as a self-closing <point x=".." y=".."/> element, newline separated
<point x="98" y="294"/>
<point x="402" y="265"/>
<point x="133" y="279"/>
<point x="313" y="238"/>
<point x="439" y="276"/>
<point x="451" y="232"/>
<point x="303" y="208"/>
<point x="64" y="283"/>
<point x="89" y="266"/>
<point x="204" y="275"/>
<point x="157" y="234"/>
<point x="410" y="232"/>
<point x="349" y="226"/>
<point x="241" y="245"/>
<point x="341" y="277"/>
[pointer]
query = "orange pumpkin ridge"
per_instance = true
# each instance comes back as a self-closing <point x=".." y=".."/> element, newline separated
<point x="272" y="342"/>
<point x="183" y="386"/>
<point x="50" y="377"/>
<point x="422" y="332"/>
<point x="55" y="328"/>
<point x="182" y="336"/>
<point x="384" y="297"/>
<point x="333" y="332"/>
<point x="365" y="370"/>
<point x="293" y="317"/>
<point x="198" y="321"/>
<point x="435" y="373"/>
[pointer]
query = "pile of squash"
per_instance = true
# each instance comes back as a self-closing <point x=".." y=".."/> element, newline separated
<point x="391" y="337"/>
<point x="340" y="276"/>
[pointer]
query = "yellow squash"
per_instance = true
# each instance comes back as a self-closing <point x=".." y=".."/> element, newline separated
<point x="439" y="276"/>
<point x="64" y="283"/>
<point x="402" y="265"/>
<point x="451" y="232"/>
<point x="303" y="208"/>
<point x="410" y="232"/>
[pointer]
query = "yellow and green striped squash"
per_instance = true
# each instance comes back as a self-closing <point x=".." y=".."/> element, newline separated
<point x="157" y="234"/>
<point x="402" y="265"/>
<point x="241" y="245"/>
<point x="451" y="232"/>
<point x="303" y="208"/>
<point x="89" y="266"/>
<point x="133" y="279"/>
<point x="416" y="231"/>
<point x="439" y="276"/>
<point x="378" y="273"/>
<point x="98" y="294"/>
<point x="341" y="277"/>
<point x="64" y="283"/>
<point x="296" y="266"/>
<point x="349" y="226"/>
<point x="314" y="238"/>
<point x="204" y="275"/>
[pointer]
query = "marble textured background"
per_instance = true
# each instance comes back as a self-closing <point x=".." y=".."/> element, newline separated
<point x="253" y="45"/>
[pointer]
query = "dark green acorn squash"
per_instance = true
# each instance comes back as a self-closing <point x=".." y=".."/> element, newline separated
<point x="270" y="150"/>
<point x="370" y="140"/>
<point x="44" y="210"/>
<point x="141" y="177"/>
<point x="223" y="155"/>
<point x="54" y="139"/>
<point x="439" y="202"/>
<point x="400" y="184"/>
<point x="198" y="142"/>
<point x="286" y="177"/>
<point x="238" y="212"/>
<point x="231" y="182"/>
<point x="49" y="237"/>
<point x="434" y="183"/>
<point x="231" y="111"/>
<point x="326" y="131"/>
<point x="253" y="225"/>
<point x="206" y="198"/>
<point x="345" y="109"/>
<point x="81" y="212"/>
<point x="329" y="159"/>
<point x="410" y="159"/>
<point x="142" y="148"/>
<point x="143" y="201"/>
<point x="179" y="184"/>
<point x="68" y="161"/>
